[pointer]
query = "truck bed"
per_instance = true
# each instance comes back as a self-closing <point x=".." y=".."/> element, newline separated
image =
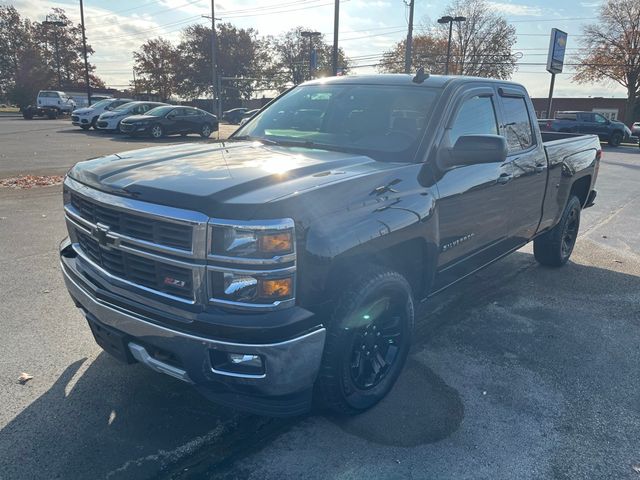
<point x="560" y="146"/>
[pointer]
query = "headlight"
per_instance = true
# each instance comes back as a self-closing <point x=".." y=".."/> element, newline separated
<point x="252" y="265"/>
<point x="271" y="240"/>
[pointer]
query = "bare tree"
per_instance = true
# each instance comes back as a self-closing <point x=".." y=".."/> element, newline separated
<point x="612" y="47"/>
<point x="480" y="46"/>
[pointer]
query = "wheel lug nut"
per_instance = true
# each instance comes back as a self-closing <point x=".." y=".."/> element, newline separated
<point x="378" y="334"/>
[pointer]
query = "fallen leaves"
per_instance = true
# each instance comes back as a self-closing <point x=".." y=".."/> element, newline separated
<point x="30" y="181"/>
<point x="24" y="378"/>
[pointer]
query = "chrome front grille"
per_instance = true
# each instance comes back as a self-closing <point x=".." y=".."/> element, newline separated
<point x="168" y="279"/>
<point x="153" y="247"/>
<point x="149" y="229"/>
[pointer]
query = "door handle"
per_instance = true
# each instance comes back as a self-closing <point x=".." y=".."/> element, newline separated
<point x="540" y="167"/>
<point x="504" y="178"/>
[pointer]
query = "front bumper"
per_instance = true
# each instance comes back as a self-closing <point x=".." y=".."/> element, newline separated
<point x="108" y="123"/>
<point x="290" y="365"/>
<point x="80" y="121"/>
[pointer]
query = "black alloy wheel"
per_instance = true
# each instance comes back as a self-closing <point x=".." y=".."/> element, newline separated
<point x="368" y="340"/>
<point x="570" y="234"/>
<point x="377" y="344"/>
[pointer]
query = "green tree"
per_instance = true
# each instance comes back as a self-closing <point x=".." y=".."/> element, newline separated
<point x="155" y="66"/>
<point x="291" y="55"/>
<point x="612" y="47"/>
<point x="240" y="53"/>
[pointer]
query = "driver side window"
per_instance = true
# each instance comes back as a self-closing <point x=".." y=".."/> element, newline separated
<point x="476" y="116"/>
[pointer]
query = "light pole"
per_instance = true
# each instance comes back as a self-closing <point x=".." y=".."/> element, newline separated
<point x="310" y="35"/>
<point x="84" y="54"/>
<point x="407" y="50"/>
<point x="55" y="22"/>
<point x="449" y="20"/>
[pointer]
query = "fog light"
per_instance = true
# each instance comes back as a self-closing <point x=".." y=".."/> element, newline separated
<point x="237" y="364"/>
<point x="244" y="359"/>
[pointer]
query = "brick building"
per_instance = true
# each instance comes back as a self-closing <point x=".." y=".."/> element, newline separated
<point x="612" y="108"/>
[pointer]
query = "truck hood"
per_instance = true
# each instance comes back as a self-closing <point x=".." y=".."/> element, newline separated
<point x="212" y="178"/>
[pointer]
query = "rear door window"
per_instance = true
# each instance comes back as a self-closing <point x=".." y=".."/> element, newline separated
<point x="476" y="116"/>
<point x="517" y="124"/>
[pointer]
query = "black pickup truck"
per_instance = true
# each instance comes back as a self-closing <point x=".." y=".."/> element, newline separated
<point x="285" y="263"/>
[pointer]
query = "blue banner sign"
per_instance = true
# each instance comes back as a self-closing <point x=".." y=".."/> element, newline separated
<point x="557" y="48"/>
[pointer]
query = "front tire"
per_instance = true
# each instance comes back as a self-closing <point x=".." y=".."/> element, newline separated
<point x="368" y="340"/>
<point x="554" y="248"/>
<point x="616" y="139"/>
<point x="157" y="132"/>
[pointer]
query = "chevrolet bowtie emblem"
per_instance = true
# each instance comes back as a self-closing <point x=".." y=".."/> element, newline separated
<point x="101" y="232"/>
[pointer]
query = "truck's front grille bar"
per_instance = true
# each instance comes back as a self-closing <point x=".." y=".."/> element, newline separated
<point x="158" y="249"/>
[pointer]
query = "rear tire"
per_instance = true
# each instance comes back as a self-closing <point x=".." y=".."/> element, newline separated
<point x="205" y="131"/>
<point x="368" y="340"/>
<point x="554" y="248"/>
<point x="615" y="140"/>
<point x="85" y="127"/>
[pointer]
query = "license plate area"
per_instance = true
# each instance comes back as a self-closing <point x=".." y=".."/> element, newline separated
<point x="112" y="341"/>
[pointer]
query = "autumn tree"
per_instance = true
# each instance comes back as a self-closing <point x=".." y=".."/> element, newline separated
<point x="155" y="65"/>
<point x="480" y="46"/>
<point x="240" y="54"/>
<point x="28" y="62"/>
<point x="290" y="62"/>
<point x="612" y="50"/>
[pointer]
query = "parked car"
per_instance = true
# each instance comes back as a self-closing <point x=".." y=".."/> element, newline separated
<point x="287" y="261"/>
<point x="588" y="122"/>
<point x="635" y="129"/>
<point x="234" y="116"/>
<point x="50" y="104"/>
<point x="170" y="120"/>
<point x="111" y="120"/>
<point x="248" y="115"/>
<point x="87" y="117"/>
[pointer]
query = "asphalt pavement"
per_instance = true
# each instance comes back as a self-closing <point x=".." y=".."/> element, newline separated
<point x="519" y="372"/>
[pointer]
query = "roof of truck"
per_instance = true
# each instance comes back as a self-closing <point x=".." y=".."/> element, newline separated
<point x="437" y="81"/>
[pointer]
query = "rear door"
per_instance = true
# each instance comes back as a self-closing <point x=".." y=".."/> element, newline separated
<point x="528" y="162"/>
<point x="193" y="120"/>
<point x="473" y="202"/>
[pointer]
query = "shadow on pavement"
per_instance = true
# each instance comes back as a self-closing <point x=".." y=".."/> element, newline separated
<point x="110" y="420"/>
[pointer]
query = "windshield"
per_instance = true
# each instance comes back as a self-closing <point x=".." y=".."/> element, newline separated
<point x="385" y="122"/>
<point x="102" y="103"/>
<point x="159" y="111"/>
<point x="124" y="107"/>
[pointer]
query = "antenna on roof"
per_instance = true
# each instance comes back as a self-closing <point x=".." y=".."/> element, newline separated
<point x="420" y="76"/>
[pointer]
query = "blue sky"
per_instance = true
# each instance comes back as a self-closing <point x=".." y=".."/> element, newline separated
<point x="116" y="28"/>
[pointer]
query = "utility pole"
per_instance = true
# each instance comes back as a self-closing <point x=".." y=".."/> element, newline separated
<point x="84" y="52"/>
<point x="53" y="21"/>
<point x="336" y="22"/>
<point x="407" y="51"/>
<point x="214" y="73"/>
<point x="449" y="20"/>
<point x="135" y="84"/>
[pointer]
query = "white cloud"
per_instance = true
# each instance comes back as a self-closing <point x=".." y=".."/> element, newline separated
<point x="509" y="8"/>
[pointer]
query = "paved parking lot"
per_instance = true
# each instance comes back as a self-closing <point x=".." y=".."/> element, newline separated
<point x="518" y="372"/>
<point x="47" y="147"/>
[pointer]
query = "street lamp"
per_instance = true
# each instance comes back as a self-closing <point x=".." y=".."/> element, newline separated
<point x="449" y="20"/>
<point x="310" y="35"/>
<point x="54" y="21"/>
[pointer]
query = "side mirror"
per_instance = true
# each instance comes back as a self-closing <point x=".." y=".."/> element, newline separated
<point x="476" y="149"/>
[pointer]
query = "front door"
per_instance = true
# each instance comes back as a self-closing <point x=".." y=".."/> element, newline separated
<point x="472" y="205"/>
